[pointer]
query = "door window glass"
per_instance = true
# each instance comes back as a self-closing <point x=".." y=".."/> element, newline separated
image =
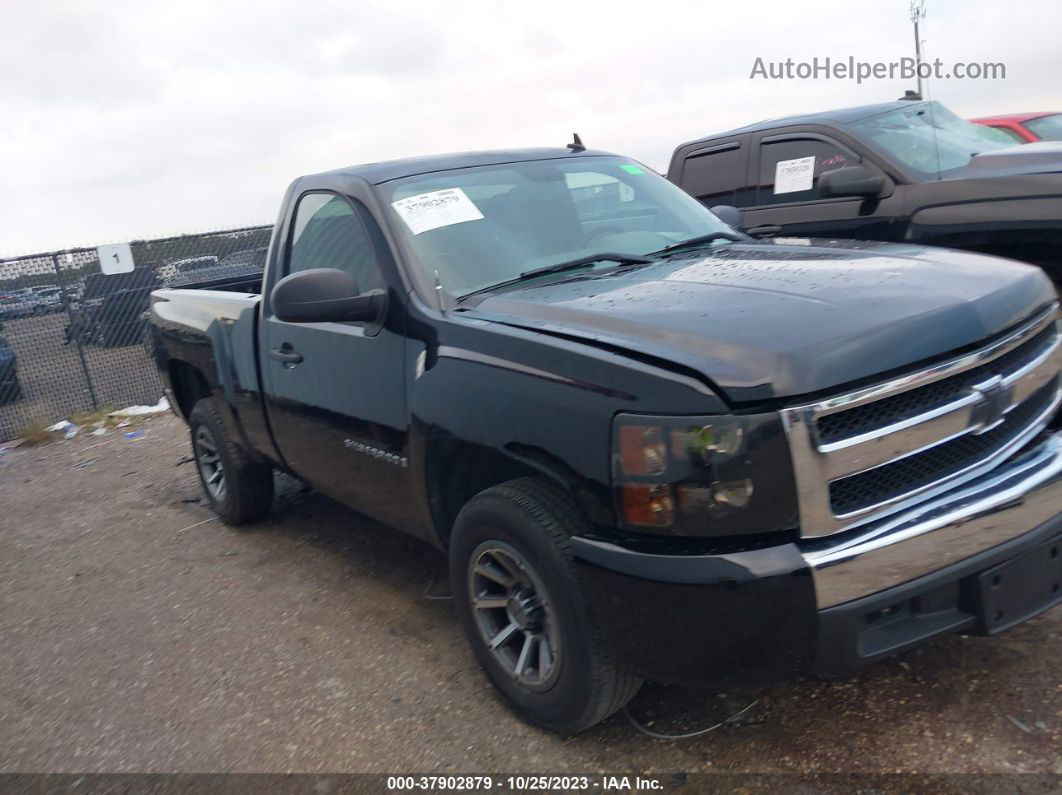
<point x="790" y="170"/>
<point x="716" y="177"/>
<point x="329" y="233"/>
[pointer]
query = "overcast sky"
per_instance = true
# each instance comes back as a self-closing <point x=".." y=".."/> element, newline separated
<point x="124" y="120"/>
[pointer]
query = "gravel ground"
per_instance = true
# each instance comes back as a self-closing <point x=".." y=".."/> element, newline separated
<point x="136" y="634"/>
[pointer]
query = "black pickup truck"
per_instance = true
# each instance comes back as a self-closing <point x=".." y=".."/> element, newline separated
<point x="900" y="171"/>
<point x="650" y="445"/>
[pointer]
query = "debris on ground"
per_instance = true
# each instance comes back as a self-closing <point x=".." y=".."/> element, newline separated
<point x="141" y="411"/>
<point x="65" y="427"/>
<point x="97" y="423"/>
<point x="1020" y="724"/>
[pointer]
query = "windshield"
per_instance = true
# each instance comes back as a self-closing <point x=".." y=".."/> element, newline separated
<point x="1047" y="128"/>
<point x="479" y="227"/>
<point x="928" y="138"/>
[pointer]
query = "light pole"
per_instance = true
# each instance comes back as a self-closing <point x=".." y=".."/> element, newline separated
<point x="918" y="13"/>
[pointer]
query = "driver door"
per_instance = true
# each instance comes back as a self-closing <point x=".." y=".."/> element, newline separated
<point x="335" y="391"/>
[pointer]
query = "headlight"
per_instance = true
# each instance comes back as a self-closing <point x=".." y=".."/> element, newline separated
<point x="703" y="476"/>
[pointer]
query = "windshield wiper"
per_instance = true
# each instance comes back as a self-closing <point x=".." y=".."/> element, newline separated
<point x="700" y="240"/>
<point x="591" y="259"/>
<point x="562" y="267"/>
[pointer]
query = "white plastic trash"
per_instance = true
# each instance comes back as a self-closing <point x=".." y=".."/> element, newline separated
<point x="141" y="411"/>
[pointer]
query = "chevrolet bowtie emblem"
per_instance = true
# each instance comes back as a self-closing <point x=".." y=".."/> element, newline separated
<point x="991" y="409"/>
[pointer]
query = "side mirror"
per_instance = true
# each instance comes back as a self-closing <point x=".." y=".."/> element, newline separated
<point x="855" y="180"/>
<point x="321" y="295"/>
<point x="731" y="216"/>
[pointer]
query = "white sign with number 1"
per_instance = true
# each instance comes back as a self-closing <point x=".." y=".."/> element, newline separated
<point x="115" y="258"/>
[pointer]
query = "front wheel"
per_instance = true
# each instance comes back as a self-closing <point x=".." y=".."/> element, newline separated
<point x="518" y="599"/>
<point x="238" y="488"/>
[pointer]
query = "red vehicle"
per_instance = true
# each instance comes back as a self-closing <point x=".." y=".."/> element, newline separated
<point x="1026" y="127"/>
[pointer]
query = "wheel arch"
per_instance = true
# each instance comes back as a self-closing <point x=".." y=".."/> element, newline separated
<point x="188" y="384"/>
<point x="456" y="470"/>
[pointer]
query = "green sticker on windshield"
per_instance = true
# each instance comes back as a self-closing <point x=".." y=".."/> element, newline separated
<point x="630" y="168"/>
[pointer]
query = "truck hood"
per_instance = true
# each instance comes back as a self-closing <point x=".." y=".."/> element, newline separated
<point x="770" y="320"/>
<point x="1044" y="157"/>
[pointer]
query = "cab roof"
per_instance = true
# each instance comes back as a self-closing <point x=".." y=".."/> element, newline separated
<point x="387" y="170"/>
<point x="830" y="118"/>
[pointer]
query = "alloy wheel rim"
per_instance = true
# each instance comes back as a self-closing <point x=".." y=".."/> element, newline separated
<point x="514" y="614"/>
<point x="209" y="462"/>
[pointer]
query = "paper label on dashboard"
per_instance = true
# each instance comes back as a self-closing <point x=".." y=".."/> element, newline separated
<point x="791" y="176"/>
<point x="427" y="211"/>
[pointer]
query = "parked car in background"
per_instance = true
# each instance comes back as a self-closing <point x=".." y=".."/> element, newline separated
<point x="16" y="304"/>
<point x="110" y="311"/>
<point x="904" y="171"/>
<point x="48" y="299"/>
<point x="1026" y="127"/>
<point x="10" y="388"/>
<point x="246" y="258"/>
<point x="228" y="274"/>
<point x="170" y="269"/>
<point x="649" y="445"/>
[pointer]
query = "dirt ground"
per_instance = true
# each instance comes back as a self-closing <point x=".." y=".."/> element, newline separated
<point x="137" y="634"/>
<point x="53" y="377"/>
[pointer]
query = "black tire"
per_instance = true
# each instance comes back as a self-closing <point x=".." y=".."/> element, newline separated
<point x="534" y="520"/>
<point x="247" y="486"/>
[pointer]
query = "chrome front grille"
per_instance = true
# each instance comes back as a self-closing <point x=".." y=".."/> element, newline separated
<point x="911" y="403"/>
<point x="884" y="448"/>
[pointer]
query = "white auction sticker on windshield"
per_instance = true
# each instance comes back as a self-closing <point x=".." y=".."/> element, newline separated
<point x="793" y="175"/>
<point x="438" y="208"/>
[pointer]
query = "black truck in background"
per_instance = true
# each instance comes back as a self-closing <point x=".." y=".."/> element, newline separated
<point x="903" y="171"/>
<point x="110" y="311"/>
<point x="650" y="446"/>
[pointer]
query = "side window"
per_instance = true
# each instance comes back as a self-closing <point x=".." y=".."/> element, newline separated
<point x="329" y="233"/>
<point x="790" y="170"/>
<point x="716" y="177"/>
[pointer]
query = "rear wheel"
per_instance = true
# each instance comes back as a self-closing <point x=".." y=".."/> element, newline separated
<point x="518" y="599"/>
<point x="237" y="488"/>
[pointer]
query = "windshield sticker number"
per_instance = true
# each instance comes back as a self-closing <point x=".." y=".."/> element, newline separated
<point x="427" y="211"/>
<point x="791" y="176"/>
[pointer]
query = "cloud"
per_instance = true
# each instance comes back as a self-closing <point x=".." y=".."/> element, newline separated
<point x="125" y="120"/>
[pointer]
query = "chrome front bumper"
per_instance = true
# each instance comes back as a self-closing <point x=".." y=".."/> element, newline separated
<point x="1012" y="499"/>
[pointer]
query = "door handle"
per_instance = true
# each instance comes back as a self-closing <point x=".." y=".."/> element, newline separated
<point x="763" y="231"/>
<point x="286" y="354"/>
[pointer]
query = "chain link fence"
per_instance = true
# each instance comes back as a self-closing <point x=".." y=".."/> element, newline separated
<point x="74" y="340"/>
